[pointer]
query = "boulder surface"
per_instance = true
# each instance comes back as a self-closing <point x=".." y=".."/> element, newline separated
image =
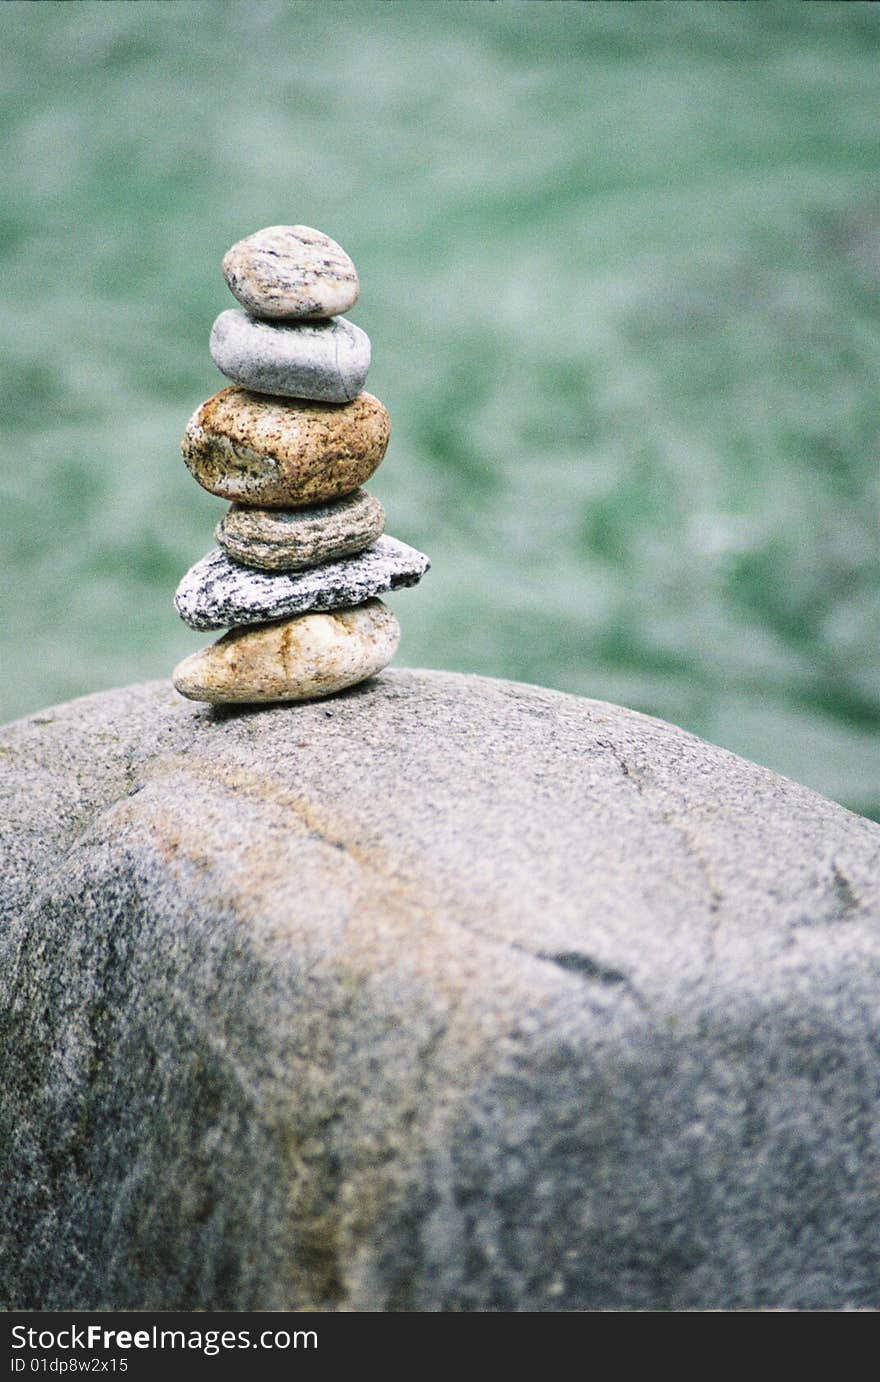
<point x="446" y="994"/>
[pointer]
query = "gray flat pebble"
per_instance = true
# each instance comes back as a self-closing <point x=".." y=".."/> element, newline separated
<point x="291" y="271"/>
<point x="218" y="593"/>
<point x="323" y="360"/>
<point x="295" y="539"/>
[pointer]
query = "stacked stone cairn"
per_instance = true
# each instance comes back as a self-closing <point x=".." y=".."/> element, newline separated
<point x="302" y="555"/>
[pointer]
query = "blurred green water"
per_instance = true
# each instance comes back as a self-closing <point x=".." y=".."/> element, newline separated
<point x="621" y="269"/>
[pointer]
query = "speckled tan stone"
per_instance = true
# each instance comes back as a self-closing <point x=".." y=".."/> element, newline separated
<point x="293" y="540"/>
<point x="272" y="453"/>
<point x="291" y="272"/>
<point x="298" y="660"/>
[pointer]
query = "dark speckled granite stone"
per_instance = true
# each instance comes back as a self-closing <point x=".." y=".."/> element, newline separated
<point x="218" y="593"/>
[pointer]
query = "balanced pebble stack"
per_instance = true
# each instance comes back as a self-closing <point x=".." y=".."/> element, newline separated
<point x="301" y="555"/>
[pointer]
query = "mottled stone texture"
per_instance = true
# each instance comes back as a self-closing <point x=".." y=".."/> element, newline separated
<point x="217" y="593"/>
<point x="291" y="271"/>
<point x="325" y="360"/>
<point x="447" y="994"/>
<point x="312" y="656"/>
<point x="293" y="540"/>
<point x="278" y="454"/>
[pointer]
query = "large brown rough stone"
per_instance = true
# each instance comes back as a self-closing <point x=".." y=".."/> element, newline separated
<point x="275" y="453"/>
<point x="445" y="994"/>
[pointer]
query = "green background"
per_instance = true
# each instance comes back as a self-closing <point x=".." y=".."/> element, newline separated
<point x="620" y="264"/>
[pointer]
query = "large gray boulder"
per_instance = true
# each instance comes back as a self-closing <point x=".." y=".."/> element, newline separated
<point x="445" y="994"/>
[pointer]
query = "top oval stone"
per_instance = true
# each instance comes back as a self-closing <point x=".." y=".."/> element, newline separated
<point x="291" y="272"/>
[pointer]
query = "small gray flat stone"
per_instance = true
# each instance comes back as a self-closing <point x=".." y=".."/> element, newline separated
<point x="323" y="360"/>
<point x="218" y="593"/>
<point x="295" y="539"/>
<point x="291" y="271"/>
